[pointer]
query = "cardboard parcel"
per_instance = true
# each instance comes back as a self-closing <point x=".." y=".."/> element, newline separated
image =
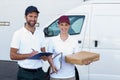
<point x="80" y="58"/>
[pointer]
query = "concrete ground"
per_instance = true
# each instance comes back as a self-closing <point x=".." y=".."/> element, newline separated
<point x="8" y="70"/>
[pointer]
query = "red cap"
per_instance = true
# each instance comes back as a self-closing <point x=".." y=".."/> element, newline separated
<point x="63" y="19"/>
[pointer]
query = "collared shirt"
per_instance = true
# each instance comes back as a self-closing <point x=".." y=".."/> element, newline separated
<point x="25" y="41"/>
<point x="67" y="47"/>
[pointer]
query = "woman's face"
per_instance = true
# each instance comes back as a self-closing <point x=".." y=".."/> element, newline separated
<point x="64" y="27"/>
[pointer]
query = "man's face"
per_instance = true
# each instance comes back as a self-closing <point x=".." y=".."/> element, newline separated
<point x="31" y="19"/>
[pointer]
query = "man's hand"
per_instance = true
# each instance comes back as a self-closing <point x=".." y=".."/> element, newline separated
<point x="33" y="53"/>
<point x="44" y="58"/>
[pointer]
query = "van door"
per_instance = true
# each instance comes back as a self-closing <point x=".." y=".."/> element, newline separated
<point x="104" y="39"/>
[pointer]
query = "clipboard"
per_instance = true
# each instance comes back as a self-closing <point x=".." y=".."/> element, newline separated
<point x="37" y="56"/>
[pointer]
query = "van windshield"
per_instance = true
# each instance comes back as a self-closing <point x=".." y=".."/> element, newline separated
<point x="76" y="26"/>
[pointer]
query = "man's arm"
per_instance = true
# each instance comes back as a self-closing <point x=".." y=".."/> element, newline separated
<point x="14" y="55"/>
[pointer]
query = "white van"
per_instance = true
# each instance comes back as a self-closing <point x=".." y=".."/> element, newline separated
<point x="96" y="25"/>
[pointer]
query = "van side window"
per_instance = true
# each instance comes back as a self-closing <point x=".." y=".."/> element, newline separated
<point x="76" y="26"/>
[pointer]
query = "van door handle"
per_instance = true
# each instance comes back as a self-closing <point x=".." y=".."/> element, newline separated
<point x="96" y="43"/>
<point x="79" y="41"/>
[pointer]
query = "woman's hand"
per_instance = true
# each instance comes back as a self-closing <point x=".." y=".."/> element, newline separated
<point x="54" y="69"/>
<point x="88" y="62"/>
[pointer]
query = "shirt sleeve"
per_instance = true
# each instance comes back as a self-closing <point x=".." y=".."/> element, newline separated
<point x="50" y="46"/>
<point x="43" y="43"/>
<point x="15" y="40"/>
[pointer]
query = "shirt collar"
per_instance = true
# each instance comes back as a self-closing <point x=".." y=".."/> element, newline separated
<point x="60" y="38"/>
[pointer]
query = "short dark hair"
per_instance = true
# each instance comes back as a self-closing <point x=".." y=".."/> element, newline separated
<point x="30" y="9"/>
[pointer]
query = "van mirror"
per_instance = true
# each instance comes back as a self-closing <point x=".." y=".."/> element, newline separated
<point x="48" y="32"/>
<point x="45" y="31"/>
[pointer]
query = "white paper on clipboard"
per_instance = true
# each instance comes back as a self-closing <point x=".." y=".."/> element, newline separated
<point x="57" y="60"/>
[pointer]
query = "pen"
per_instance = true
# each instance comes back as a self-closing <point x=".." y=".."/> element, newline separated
<point x="32" y="49"/>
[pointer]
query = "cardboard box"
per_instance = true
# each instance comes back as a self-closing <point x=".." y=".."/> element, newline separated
<point x="81" y="58"/>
